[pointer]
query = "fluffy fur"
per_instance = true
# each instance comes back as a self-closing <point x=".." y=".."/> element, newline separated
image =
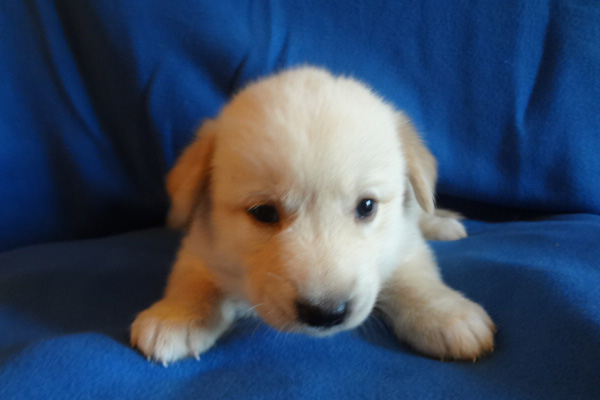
<point x="312" y="145"/>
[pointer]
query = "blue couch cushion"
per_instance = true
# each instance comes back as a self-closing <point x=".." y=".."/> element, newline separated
<point x="66" y="307"/>
<point x="99" y="97"/>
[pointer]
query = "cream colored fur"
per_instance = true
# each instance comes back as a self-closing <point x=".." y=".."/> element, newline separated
<point x="313" y="145"/>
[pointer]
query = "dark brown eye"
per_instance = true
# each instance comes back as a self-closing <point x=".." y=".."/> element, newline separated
<point x="366" y="208"/>
<point x="265" y="213"/>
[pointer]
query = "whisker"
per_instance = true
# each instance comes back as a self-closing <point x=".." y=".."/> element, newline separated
<point x="257" y="325"/>
<point x="250" y="309"/>
<point x="381" y="325"/>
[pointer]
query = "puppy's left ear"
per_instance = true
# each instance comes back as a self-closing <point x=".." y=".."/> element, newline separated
<point x="189" y="176"/>
<point x="422" y="166"/>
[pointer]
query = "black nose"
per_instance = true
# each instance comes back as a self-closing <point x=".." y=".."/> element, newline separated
<point x="321" y="315"/>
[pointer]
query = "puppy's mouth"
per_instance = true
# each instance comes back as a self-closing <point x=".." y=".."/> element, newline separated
<point x="316" y="318"/>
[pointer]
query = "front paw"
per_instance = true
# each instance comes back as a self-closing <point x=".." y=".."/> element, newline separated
<point x="450" y="327"/>
<point x="171" y="330"/>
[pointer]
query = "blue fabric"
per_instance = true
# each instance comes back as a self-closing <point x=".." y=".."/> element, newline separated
<point x="66" y="308"/>
<point x="99" y="97"/>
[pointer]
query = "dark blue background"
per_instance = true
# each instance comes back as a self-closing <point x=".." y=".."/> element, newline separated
<point x="99" y="97"/>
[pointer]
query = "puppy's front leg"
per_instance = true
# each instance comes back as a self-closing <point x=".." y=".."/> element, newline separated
<point x="430" y="316"/>
<point x="188" y="320"/>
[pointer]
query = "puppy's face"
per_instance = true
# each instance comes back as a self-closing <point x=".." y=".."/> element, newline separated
<point x="307" y="185"/>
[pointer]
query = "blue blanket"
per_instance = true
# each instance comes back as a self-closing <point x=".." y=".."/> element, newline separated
<point x="66" y="307"/>
<point x="98" y="98"/>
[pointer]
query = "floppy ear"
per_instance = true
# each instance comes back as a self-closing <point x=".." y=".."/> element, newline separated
<point x="422" y="166"/>
<point x="189" y="176"/>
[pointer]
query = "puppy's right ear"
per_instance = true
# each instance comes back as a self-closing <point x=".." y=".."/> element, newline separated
<point x="189" y="176"/>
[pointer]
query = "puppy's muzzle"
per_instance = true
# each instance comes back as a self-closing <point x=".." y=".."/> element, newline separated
<point x="322" y="315"/>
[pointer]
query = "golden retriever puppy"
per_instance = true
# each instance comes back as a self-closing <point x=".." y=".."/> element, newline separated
<point x="308" y="200"/>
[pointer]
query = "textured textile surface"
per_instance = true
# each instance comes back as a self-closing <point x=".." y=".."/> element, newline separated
<point x="99" y="97"/>
<point x="65" y="309"/>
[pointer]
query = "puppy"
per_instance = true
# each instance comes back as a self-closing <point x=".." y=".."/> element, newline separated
<point x="308" y="200"/>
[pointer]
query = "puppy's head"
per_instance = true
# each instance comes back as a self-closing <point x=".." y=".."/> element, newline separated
<point x="300" y="198"/>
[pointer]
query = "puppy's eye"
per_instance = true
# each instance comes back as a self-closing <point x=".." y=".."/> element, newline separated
<point x="366" y="208"/>
<point x="265" y="213"/>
